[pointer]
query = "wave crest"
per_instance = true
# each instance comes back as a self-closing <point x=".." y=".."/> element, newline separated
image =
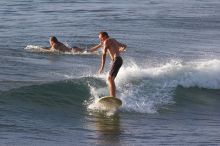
<point x="146" y="89"/>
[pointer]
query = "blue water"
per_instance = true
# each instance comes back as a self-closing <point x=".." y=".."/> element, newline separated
<point x="169" y="83"/>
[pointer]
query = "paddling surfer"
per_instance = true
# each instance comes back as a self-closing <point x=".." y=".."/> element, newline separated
<point x="114" y="48"/>
<point x="57" y="45"/>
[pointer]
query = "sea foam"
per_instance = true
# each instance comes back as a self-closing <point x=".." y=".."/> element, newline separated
<point x="146" y="89"/>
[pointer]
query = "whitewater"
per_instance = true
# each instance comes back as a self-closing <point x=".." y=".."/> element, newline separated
<point x="169" y="83"/>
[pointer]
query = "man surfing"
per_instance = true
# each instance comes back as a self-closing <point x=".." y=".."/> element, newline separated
<point x="113" y="47"/>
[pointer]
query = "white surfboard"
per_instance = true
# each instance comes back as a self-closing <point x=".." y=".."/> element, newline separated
<point x="110" y="102"/>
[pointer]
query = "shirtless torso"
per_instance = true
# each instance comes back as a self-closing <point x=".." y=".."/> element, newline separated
<point x="113" y="47"/>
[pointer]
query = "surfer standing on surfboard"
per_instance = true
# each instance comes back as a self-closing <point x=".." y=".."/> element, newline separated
<point x="113" y="47"/>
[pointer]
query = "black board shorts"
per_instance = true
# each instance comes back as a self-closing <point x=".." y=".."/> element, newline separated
<point x="116" y="65"/>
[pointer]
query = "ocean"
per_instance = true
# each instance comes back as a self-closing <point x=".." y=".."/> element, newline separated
<point x="169" y="82"/>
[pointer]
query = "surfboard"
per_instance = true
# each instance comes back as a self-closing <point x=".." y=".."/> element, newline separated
<point x="110" y="102"/>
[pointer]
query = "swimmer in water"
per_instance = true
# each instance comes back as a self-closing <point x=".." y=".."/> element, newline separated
<point x="56" y="45"/>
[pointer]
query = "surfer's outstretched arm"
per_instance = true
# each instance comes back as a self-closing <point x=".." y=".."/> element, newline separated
<point x="95" y="48"/>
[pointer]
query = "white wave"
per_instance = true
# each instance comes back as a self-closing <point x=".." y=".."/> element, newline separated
<point x="143" y="89"/>
<point x="204" y="74"/>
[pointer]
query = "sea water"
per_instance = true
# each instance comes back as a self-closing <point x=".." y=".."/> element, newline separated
<point x="169" y="82"/>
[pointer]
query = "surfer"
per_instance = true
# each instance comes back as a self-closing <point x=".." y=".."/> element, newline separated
<point x="57" y="45"/>
<point x="113" y="47"/>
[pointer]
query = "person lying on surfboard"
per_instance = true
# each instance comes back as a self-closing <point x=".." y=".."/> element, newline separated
<point x="55" y="45"/>
<point x="114" y="48"/>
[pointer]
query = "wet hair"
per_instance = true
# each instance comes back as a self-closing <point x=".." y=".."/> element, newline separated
<point x="103" y="33"/>
<point x="53" y="39"/>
